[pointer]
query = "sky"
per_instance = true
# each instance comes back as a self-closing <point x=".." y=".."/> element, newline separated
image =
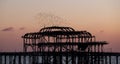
<point x="99" y="17"/>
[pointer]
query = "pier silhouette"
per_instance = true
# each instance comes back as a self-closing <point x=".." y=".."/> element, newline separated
<point x="60" y="45"/>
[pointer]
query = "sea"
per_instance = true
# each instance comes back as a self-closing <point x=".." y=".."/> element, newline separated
<point x="27" y="61"/>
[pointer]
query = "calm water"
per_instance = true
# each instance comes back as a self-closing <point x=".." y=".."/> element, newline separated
<point x="113" y="60"/>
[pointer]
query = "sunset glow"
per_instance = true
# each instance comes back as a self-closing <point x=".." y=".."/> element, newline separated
<point x="100" y="17"/>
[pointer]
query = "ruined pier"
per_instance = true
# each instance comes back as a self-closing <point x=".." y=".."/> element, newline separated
<point x="60" y="45"/>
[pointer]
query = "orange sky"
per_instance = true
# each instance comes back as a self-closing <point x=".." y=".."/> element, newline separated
<point x="100" y="17"/>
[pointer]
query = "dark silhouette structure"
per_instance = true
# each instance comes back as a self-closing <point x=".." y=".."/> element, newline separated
<point x="60" y="45"/>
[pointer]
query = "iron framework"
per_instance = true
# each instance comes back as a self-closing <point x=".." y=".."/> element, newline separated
<point x="64" y="45"/>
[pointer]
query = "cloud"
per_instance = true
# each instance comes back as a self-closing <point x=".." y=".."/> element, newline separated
<point x="22" y="28"/>
<point x="8" y="29"/>
<point x="101" y="31"/>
